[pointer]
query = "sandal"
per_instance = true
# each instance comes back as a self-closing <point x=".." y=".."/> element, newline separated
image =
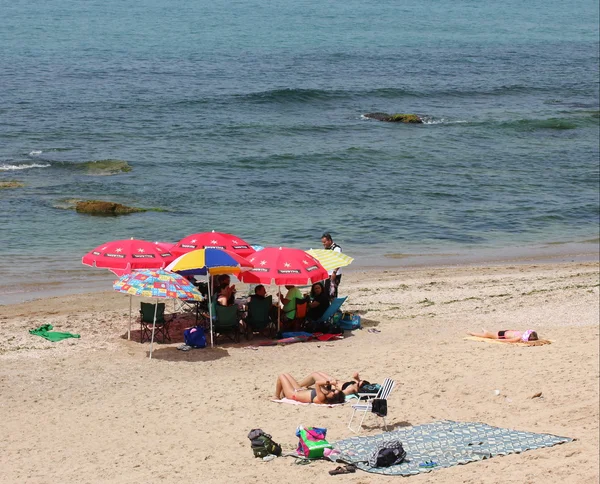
<point x="342" y="470"/>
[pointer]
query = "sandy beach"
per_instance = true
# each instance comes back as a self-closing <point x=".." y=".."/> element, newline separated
<point x="95" y="409"/>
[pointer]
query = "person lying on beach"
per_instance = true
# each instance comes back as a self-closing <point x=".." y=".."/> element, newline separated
<point x="351" y="387"/>
<point x="324" y="392"/>
<point x="509" y="335"/>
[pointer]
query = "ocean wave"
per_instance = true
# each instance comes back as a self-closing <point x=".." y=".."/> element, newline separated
<point x="24" y="166"/>
<point x="35" y="152"/>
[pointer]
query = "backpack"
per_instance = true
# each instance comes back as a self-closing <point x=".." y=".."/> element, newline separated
<point x="387" y="454"/>
<point x="262" y="444"/>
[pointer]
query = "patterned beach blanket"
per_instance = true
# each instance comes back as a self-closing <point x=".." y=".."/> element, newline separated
<point x="442" y="444"/>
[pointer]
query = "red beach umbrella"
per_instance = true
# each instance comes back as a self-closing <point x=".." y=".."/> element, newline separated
<point x="123" y="256"/>
<point x="213" y="240"/>
<point x="283" y="266"/>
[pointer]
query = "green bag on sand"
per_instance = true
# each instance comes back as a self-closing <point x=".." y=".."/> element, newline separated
<point x="45" y="331"/>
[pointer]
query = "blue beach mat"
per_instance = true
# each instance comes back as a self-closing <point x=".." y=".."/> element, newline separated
<point x="442" y="444"/>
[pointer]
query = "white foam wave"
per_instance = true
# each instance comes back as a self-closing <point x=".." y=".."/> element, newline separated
<point x="35" y="152"/>
<point x="22" y="167"/>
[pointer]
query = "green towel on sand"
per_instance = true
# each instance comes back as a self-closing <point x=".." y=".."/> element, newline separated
<point x="45" y="332"/>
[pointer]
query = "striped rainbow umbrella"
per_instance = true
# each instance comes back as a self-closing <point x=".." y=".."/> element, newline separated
<point x="330" y="259"/>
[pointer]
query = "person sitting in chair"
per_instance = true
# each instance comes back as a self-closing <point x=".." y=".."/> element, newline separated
<point x="289" y="303"/>
<point x="224" y="293"/>
<point x="319" y="302"/>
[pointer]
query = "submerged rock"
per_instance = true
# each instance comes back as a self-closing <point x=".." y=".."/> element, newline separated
<point x="99" y="207"/>
<point x="11" y="184"/>
<point x="104" y="167"/>
<point x="395" y="118"/>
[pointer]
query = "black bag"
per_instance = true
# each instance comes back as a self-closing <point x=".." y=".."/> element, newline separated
<point x="332" y="328"/>
<point x="379" y="407"/>
<point x="387" y="454"/>
<point x="262" y="444"/>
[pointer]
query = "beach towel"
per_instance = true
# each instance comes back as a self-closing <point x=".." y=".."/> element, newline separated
<point x="45" y="331"/>
<point x="294" y="402"/>
<point x="539" y="342"/>
<point x="441" y="444"/>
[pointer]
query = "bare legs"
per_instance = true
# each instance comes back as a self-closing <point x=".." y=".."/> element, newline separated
<point x="485" y="334"/>
<point x="285" y="386"/>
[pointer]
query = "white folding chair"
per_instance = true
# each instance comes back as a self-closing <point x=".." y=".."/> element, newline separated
<point x="367" y="406"/>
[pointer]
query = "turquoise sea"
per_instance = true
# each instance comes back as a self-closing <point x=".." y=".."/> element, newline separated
<point x="247" y="117"/>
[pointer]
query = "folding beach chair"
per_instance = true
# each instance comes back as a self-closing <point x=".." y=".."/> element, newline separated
<point x="147" y="320"/>
<point x="367" y="406"/>
<point x="259" y="317"/>
<point x="333" y="308"/>
<point x="227" y="322"/>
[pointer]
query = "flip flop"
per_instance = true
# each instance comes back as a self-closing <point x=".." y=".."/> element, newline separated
<point x="428" y="464"/>
<point x="342" y="470"/>
<point x="184" y="347"/>
<point x="374" y="330"/>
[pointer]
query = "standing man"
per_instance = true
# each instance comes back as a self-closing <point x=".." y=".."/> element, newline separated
<point x="335" y="276"/>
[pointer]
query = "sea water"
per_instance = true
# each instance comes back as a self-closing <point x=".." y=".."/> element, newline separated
<point x="247" y="117"/>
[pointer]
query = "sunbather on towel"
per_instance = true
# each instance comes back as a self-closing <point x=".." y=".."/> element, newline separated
<point x="509" y="335"/>
<point x="347" y="388"/>
<point x="324" y="391"/>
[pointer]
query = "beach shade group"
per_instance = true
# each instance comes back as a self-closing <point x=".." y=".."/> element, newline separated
<point x="156" y="284"/>
<point x="213" y="240"/>
<point x="210" y="262"/>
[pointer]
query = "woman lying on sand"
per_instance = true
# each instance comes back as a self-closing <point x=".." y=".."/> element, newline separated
<point x="324" y="391"/>
<point x="509" y="335"/>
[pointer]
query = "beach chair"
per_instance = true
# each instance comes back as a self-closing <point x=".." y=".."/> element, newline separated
<point x="147" y="320"/>
<point x="226" y="322"/>
<point x="366" y="406"/>
<point x="333" y="308"/>
<point x="259" y="318"/>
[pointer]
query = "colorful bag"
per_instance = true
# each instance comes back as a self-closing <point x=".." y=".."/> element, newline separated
<point x="312" y="442"/>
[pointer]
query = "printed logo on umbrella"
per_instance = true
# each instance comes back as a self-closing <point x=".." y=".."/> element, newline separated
<point x="289" y="271"/>
<point x="311" y="268"/>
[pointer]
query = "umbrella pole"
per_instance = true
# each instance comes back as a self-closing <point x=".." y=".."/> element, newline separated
<point x="279" y="310"/>
<point x="129" y="329"/>
<point x="210" y="316"/>
<point x="153" y="328"/>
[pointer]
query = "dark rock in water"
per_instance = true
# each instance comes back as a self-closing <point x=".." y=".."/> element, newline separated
<point x="395" y="118"/>
<point x="99" y="207"/>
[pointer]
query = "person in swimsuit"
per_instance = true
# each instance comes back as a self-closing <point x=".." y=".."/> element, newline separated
<point x="509" y="335"/>
<point x="324" y="391"/>
<point x="347" y="388"/>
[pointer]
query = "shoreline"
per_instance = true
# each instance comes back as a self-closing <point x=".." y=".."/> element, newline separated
<point x="100" y="280"/>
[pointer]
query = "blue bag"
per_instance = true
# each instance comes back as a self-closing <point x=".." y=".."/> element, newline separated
<point x="349" y="322"/>
<point x="194" y="337"/>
